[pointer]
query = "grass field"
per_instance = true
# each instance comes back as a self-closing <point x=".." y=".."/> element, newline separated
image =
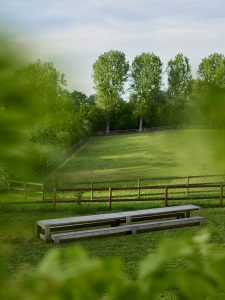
<point x="119" y="157"/>
<point x="170" y="153"/>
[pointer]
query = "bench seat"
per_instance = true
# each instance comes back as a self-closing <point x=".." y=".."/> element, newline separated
<point x="127" y="229"/>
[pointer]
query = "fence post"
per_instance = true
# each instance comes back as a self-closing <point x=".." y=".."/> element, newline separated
<point x="166" y="195"/>
<point x="188" y="181"/>
<point x="139" y="191"/>
<point x="110" y="197"/>
<point x="92" y="193"/>
<point x="54" y="198"/>
<point x="221" y="195"/>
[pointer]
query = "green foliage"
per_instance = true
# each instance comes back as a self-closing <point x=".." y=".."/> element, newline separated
<point x="36" y="112"/>
<point x="208" y="95"/>
<point x="179" y="88"/>
<point x="179" y="76"/>
<point x="146" y="80"/>
<point x="71" y="274"/>
<point x="4" y="179"/>
<point x="89" y="110"/>
<point x="211" y="69"/>
<point x="124" y="118"/>
<point x="78" y="98"/>
<point x="18" y="112"/>
<point x="146" y="75"/>
<point x="58" y="117"/>
<point x="212" y="106"/>
<point x="109" y="74"/>
<point x="42" y="79"/>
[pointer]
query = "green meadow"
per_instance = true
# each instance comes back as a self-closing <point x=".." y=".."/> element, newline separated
<point x="159" y="154"/>
<point x="169" y="153"/>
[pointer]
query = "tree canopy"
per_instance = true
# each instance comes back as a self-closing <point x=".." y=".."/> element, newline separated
<point x="211" y="68"/>
<point x="179" y="76"/>
<point x="110" y="73"/>
<point x="146" y="80"/>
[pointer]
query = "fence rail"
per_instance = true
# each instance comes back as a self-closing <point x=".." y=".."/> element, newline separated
<point x="144" y="189"/>
<point x="59" y="157"/>
<point x="68" y="181"/>
<point x="25" y="189"/>
<point x="131" y="131"/>
<point x="167" y="193"/>
<point x="163" y="193"/>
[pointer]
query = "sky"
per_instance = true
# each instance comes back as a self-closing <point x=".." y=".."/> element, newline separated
<point x="73" y="33"/>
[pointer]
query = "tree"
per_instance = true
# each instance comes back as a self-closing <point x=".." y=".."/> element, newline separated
<point x="220" y="74"/>
<point x="60" y="122"/>
<point x="43" y="81"/>
<point x="88" y="110"/>
<point x="79" y="98"/>
<point x="109" y="74"/>
<point x="146" y="80"/>
<point x="179" y="76"/>
<point x="211" y="68"/>
<point x="211" y="90"/>
<point x="179" y="87"/>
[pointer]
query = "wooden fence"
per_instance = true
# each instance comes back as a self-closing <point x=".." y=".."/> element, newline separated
<point x="66" y="181"/>
<point x="55" y="160"/>
<point x="26" y="189"/>
<point x="132" y="131"/>
<point x="137" y="192"/>
<point x="163" y="193"/>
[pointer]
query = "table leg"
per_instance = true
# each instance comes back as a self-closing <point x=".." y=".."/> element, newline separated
<point x="47" y="233"/>
<point x="128" y="220"/>
<point x="188" y="214"/>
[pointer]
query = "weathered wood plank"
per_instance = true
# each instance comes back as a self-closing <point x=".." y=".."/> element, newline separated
<point x="100" y="217"/>
<point x="133" y="228"/>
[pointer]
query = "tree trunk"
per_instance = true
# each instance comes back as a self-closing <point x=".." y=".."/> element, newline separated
<point x="107" y="126"/>
<point x="140" y="124"/>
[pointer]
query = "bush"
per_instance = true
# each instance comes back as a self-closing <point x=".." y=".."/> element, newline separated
<point x="71" y="274"/>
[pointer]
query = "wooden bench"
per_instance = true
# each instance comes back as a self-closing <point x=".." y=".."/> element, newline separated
<point x="132" y="229"/>
<point x="122" y="222"/>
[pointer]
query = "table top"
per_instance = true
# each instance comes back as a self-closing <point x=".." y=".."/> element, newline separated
<point x="117" y="215"/>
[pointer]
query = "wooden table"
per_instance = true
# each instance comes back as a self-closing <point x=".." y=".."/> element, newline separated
<point x="46" y="227"/>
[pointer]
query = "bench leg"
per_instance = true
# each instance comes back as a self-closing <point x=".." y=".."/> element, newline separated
<point x="200" y="212"/>
<point x="47" y="233"/>
<point x="188" y="214"/>
<point x="128" y="220"/>
<point x="56" y="241"/>
<point x="134" y="230"/>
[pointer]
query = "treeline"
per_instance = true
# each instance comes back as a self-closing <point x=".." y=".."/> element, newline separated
<point x="152" y="100"/>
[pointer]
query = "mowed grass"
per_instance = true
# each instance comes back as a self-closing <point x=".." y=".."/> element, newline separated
<point x="160" y="154"/>
<point x="168" y="153"/>
<point x="21" y="250"/>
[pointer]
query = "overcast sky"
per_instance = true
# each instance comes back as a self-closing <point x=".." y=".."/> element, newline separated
<point x="73" y="33"/>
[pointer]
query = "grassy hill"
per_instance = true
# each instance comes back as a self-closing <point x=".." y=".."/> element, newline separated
<point x="168" y="153"/>
<point x="186" y="152"/>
